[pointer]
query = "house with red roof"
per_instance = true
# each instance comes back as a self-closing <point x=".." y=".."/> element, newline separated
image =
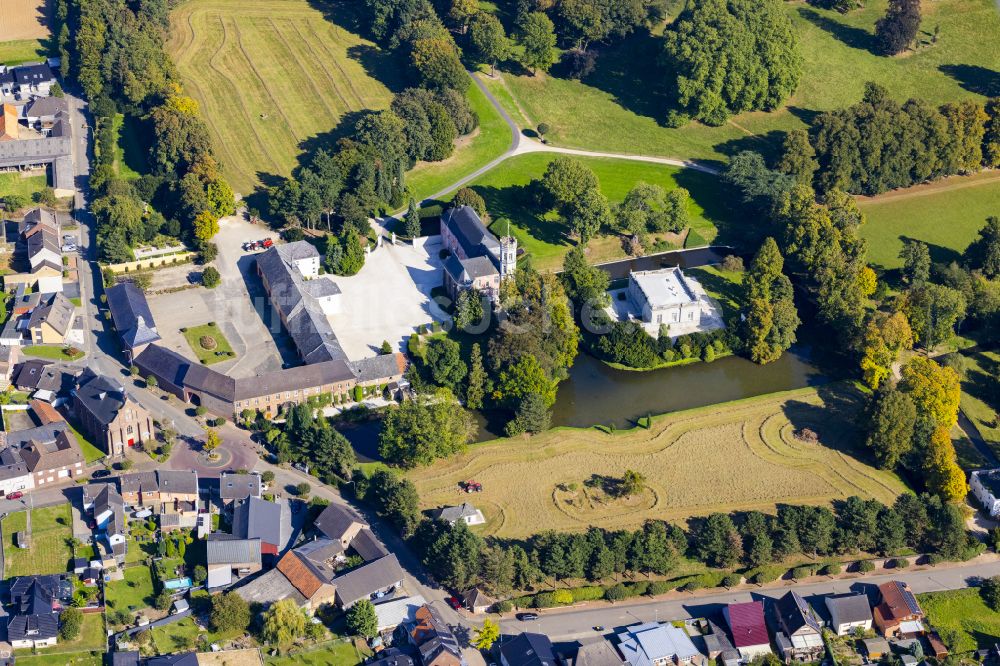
<point x="747" y="629"/>
<point x="898" y="611"/>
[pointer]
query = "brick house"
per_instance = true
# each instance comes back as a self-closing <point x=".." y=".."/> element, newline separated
<point x="108" y="415"/>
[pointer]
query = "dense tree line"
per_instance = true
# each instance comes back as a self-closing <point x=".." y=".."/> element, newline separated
<point x="730" y="56"/>
<point x="768" y="305"/>
<point x="459" y="558"/>
<point x="311" y="440"/>
<point x="880" y="144"/>
<point x="119" y="60"/>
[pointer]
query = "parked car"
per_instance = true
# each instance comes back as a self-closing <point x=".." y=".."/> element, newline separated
<point x="69" y="238"/>
<point x="69" y="247"/>
<point x="526" y="617"/>
<point x="101" y="473"/>
<point x="17" y="494"/>
<point x="454" y="603"/>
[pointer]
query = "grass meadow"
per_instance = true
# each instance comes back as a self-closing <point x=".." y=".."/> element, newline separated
<point x="741" y="456"/>
<point x="508" y="197"/>
<point x="980" y="395"/>
<point x="275" y="79"/>
<point x="51" y="529"/>
<point x="964" y="621"/>
<point x="620" y="107"/>
<point x="220" y="352"/>
<point x="15" y="183"/>
<point x="946" y="215"/>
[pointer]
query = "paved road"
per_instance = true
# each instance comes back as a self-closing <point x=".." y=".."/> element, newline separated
<point x="574" y="624"/>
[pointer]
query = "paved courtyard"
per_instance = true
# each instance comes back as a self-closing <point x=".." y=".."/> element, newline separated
<point x="388" y="299"/>
<point x="238" y="305"/>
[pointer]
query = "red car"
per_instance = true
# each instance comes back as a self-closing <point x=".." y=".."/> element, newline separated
<point x="17" y="494"/>
<point x="454" y="603"/>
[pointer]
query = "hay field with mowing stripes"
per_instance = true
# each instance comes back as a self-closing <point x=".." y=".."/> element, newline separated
<point x="272" y="78"/>
<point x="23" y="20"/>
<point x="739" y="456"/>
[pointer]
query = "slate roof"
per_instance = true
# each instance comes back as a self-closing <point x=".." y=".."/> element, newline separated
<point x="239" y="486"/>
<point x="179" y="371"/>
<point x="379" y="367"/>
<point x="850" y="608"/>
<point x="452" y="514"/>
<point x="131" y="314"/>
<point x="321" y="554"/>
<point x="63" y="451"/>
<point x="232" y="551"/>
<point x="470" y="232"/>
<point x="184" y="482"/>
<point x="36" y="626"/>
<point x="335" y="520"/>
<point x="795" y="613"/>
<point x="42" y="107"/>
<point x="368" y="579"/>
<point x="44" y="433"/>
<point x="304" y="319"/>
<point x="528" y="649"/>
<point x="139" y="482"/>
<point x="11" y="464"/>
<point x="392" y="657"/>
<point x="29" y="372"/>
<point x="38" y="242"/>
<point x="597" y="653"/>
<point x="58" y="314"/>
<point x="367" y="546"/>
<point x="294" y="379"/>
<point x="37" y="216"/>
<point x="270" y="587"/>
<point x="746" y="624"/>
<point x="102" y="396"/>
<point x="33" y="74"/>
<point x="185" y="659"/>
<point x="259" y="519"/>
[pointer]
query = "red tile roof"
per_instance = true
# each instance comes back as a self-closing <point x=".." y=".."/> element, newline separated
<point x="746" y="623"/>
<point x="299" y="575"/>
<point x="898" y="602"/>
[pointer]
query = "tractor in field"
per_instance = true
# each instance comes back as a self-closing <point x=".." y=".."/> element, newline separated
<point x="471" y="486"/>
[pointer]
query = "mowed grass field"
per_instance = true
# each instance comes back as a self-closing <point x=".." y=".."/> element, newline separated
<point x="620" y="107"/>
<point x="23" y="31"/>
<point x="274" y="79"/>
<point x="508" y="197"/>
<point x="737" y="456"/>
<point x="965" y="621"/>
<point x="946" y="215"/>
<point x="51" y="528"/>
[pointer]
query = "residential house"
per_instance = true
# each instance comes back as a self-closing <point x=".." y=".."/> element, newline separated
<point x="271" y="522"/>
<point x="528" y="649"/>
<point x="303" y="299"/>
<point x="27" y="375"/>
<point x="52" y="459"/>
<point x="478" y="601"/>
<point x="9" y="358"/>
<point x="53" y="322"/>
<point x="477" y="259"/>
<point x="14" y="473"/>
<point x="985" y="485"/>
<point x="33" y="79"/>
<point x="23" y="148"/>
<point x="37" y="602"/>
<point x="464" y="512"/>
<point x="108" y="415"/>
<point x="799" y="635"/>
<point x="597" y="652"/>
<point x="178" y="499"/>
<point x="372" y="580"/>
<point x="340" y="523"/>
<point x="391" y="657"/>
<point x="229" y="559"/>
<point x="233" y="486"/>
<point x="849" y="612"/>
<point x="315" y="588"/>
<point x="132" y="318"/>
<point x="109" y="514"/>
<point x="898" y="612"/>
<point x="181" y="659"/>
<point x="42" y="113"/>
<point x="655" y="644"/>
<point x="434" y="639"/>
<point x="140" y="489"/>
<point x="747" y="629"/>
<point x="42" y="245"/>
<point x="391" y="614"/>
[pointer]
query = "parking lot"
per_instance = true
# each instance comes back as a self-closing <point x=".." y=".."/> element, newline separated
<point x="388" y="299"/>
<point x="238" y="306"/>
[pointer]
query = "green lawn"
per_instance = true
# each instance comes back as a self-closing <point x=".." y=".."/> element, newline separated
<point x="129" y="162"/>
<point x="339" y="653"/>
<point x="492" y="139"/>
<point x="133" y="593"/>
<point x="95" y="658"/>
<point x="945" y="215"/>
<point x="194" y="336"/>
<point x="544" y="237"/>
<point x="620" y="107"/>
<point x="963" y="620"/>
<point x="13" y="183"/>
<point x="16" y="51"/>
<point x="724" y="286"/>
<point x="49" y="553"/>
<point x="91" y="639"/>
<point x="980" y="397"/>
<point x="52" y="352"/>
<point x="90" y="452"/>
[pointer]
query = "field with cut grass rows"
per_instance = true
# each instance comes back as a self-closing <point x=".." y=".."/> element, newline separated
<point x="734" y="457"/>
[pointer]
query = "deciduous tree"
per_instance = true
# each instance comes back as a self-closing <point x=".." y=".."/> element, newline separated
<point x="537" y="38"/>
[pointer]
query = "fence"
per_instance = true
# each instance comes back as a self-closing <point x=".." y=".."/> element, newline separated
<point x="152" y="262"/>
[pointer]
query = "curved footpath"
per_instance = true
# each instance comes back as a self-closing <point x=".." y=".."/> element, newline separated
<point x="522" y="145"/>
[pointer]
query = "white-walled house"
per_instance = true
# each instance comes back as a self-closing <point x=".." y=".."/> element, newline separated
<point x="849" y="612"/>
<point x="985" y="485"/>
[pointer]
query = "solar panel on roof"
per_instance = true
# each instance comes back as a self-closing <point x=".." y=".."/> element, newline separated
<point x="911" y="601"/>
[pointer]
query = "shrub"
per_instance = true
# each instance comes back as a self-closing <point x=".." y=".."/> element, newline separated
<point x="210" y="277"/>
<point x="804" y="571"/>
<point x="207" y="342"/>
<point x="504" y="606"/>
<point x="830" y="570"/>
<point x="732" y="263"/>
<point x="200" y="410"/>
<point x="899" y="563"/>
<point x="542" y="129"/>
<point x="639" y="588"/>
<point x="658" y="587"/>
<point x="302" y="489"/>
<point x="935" y="559"/>
<point x="588" y="593"/>
<point x="617" y="592"/>
<point x="544" y="600"/>
<point x="732" y="580"/>
<point x="691" y="585"/>
<point x="865" y="566"/>
<point x="562" y="597"/>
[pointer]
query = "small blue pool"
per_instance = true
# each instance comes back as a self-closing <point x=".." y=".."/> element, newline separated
<point x="177" y="583"/>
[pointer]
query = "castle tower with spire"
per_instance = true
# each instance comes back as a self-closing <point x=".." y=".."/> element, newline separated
<point x="508" y="255"/>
